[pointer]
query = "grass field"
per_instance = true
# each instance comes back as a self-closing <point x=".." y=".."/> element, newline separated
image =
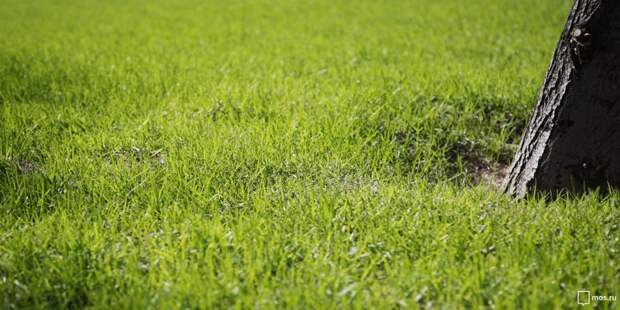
<point x="300" y="154"/>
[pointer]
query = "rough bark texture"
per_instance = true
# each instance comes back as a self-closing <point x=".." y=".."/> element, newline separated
<point x="572" y="142"/>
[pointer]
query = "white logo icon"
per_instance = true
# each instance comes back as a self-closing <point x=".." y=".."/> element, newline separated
<point x="583" y="297"/>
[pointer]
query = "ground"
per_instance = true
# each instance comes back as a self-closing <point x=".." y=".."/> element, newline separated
<point x="301" y="154"/>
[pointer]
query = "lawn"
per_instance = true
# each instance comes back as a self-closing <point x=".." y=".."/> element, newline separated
<point x="283" y="154"/>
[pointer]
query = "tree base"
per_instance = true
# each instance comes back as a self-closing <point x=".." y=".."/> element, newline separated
<point x="572" y="142"/>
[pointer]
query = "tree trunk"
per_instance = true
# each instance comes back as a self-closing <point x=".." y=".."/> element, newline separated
<point x="572" y="142"/>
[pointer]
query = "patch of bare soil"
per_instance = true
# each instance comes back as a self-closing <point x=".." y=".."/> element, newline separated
<point x="485" y="172"/>
<point x="26" y="167"/>
<point x="136" y="154"/>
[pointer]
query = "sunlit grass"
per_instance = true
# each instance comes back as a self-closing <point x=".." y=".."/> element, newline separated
<point x="181" y="154"/>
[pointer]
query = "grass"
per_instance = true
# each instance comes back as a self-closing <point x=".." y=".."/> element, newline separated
<point x="299" y="154"/>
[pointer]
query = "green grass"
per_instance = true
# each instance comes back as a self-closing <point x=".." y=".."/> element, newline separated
<point x="301" y="154"/>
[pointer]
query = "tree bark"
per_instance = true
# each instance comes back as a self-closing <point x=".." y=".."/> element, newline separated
<point x="572" y="142"/>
